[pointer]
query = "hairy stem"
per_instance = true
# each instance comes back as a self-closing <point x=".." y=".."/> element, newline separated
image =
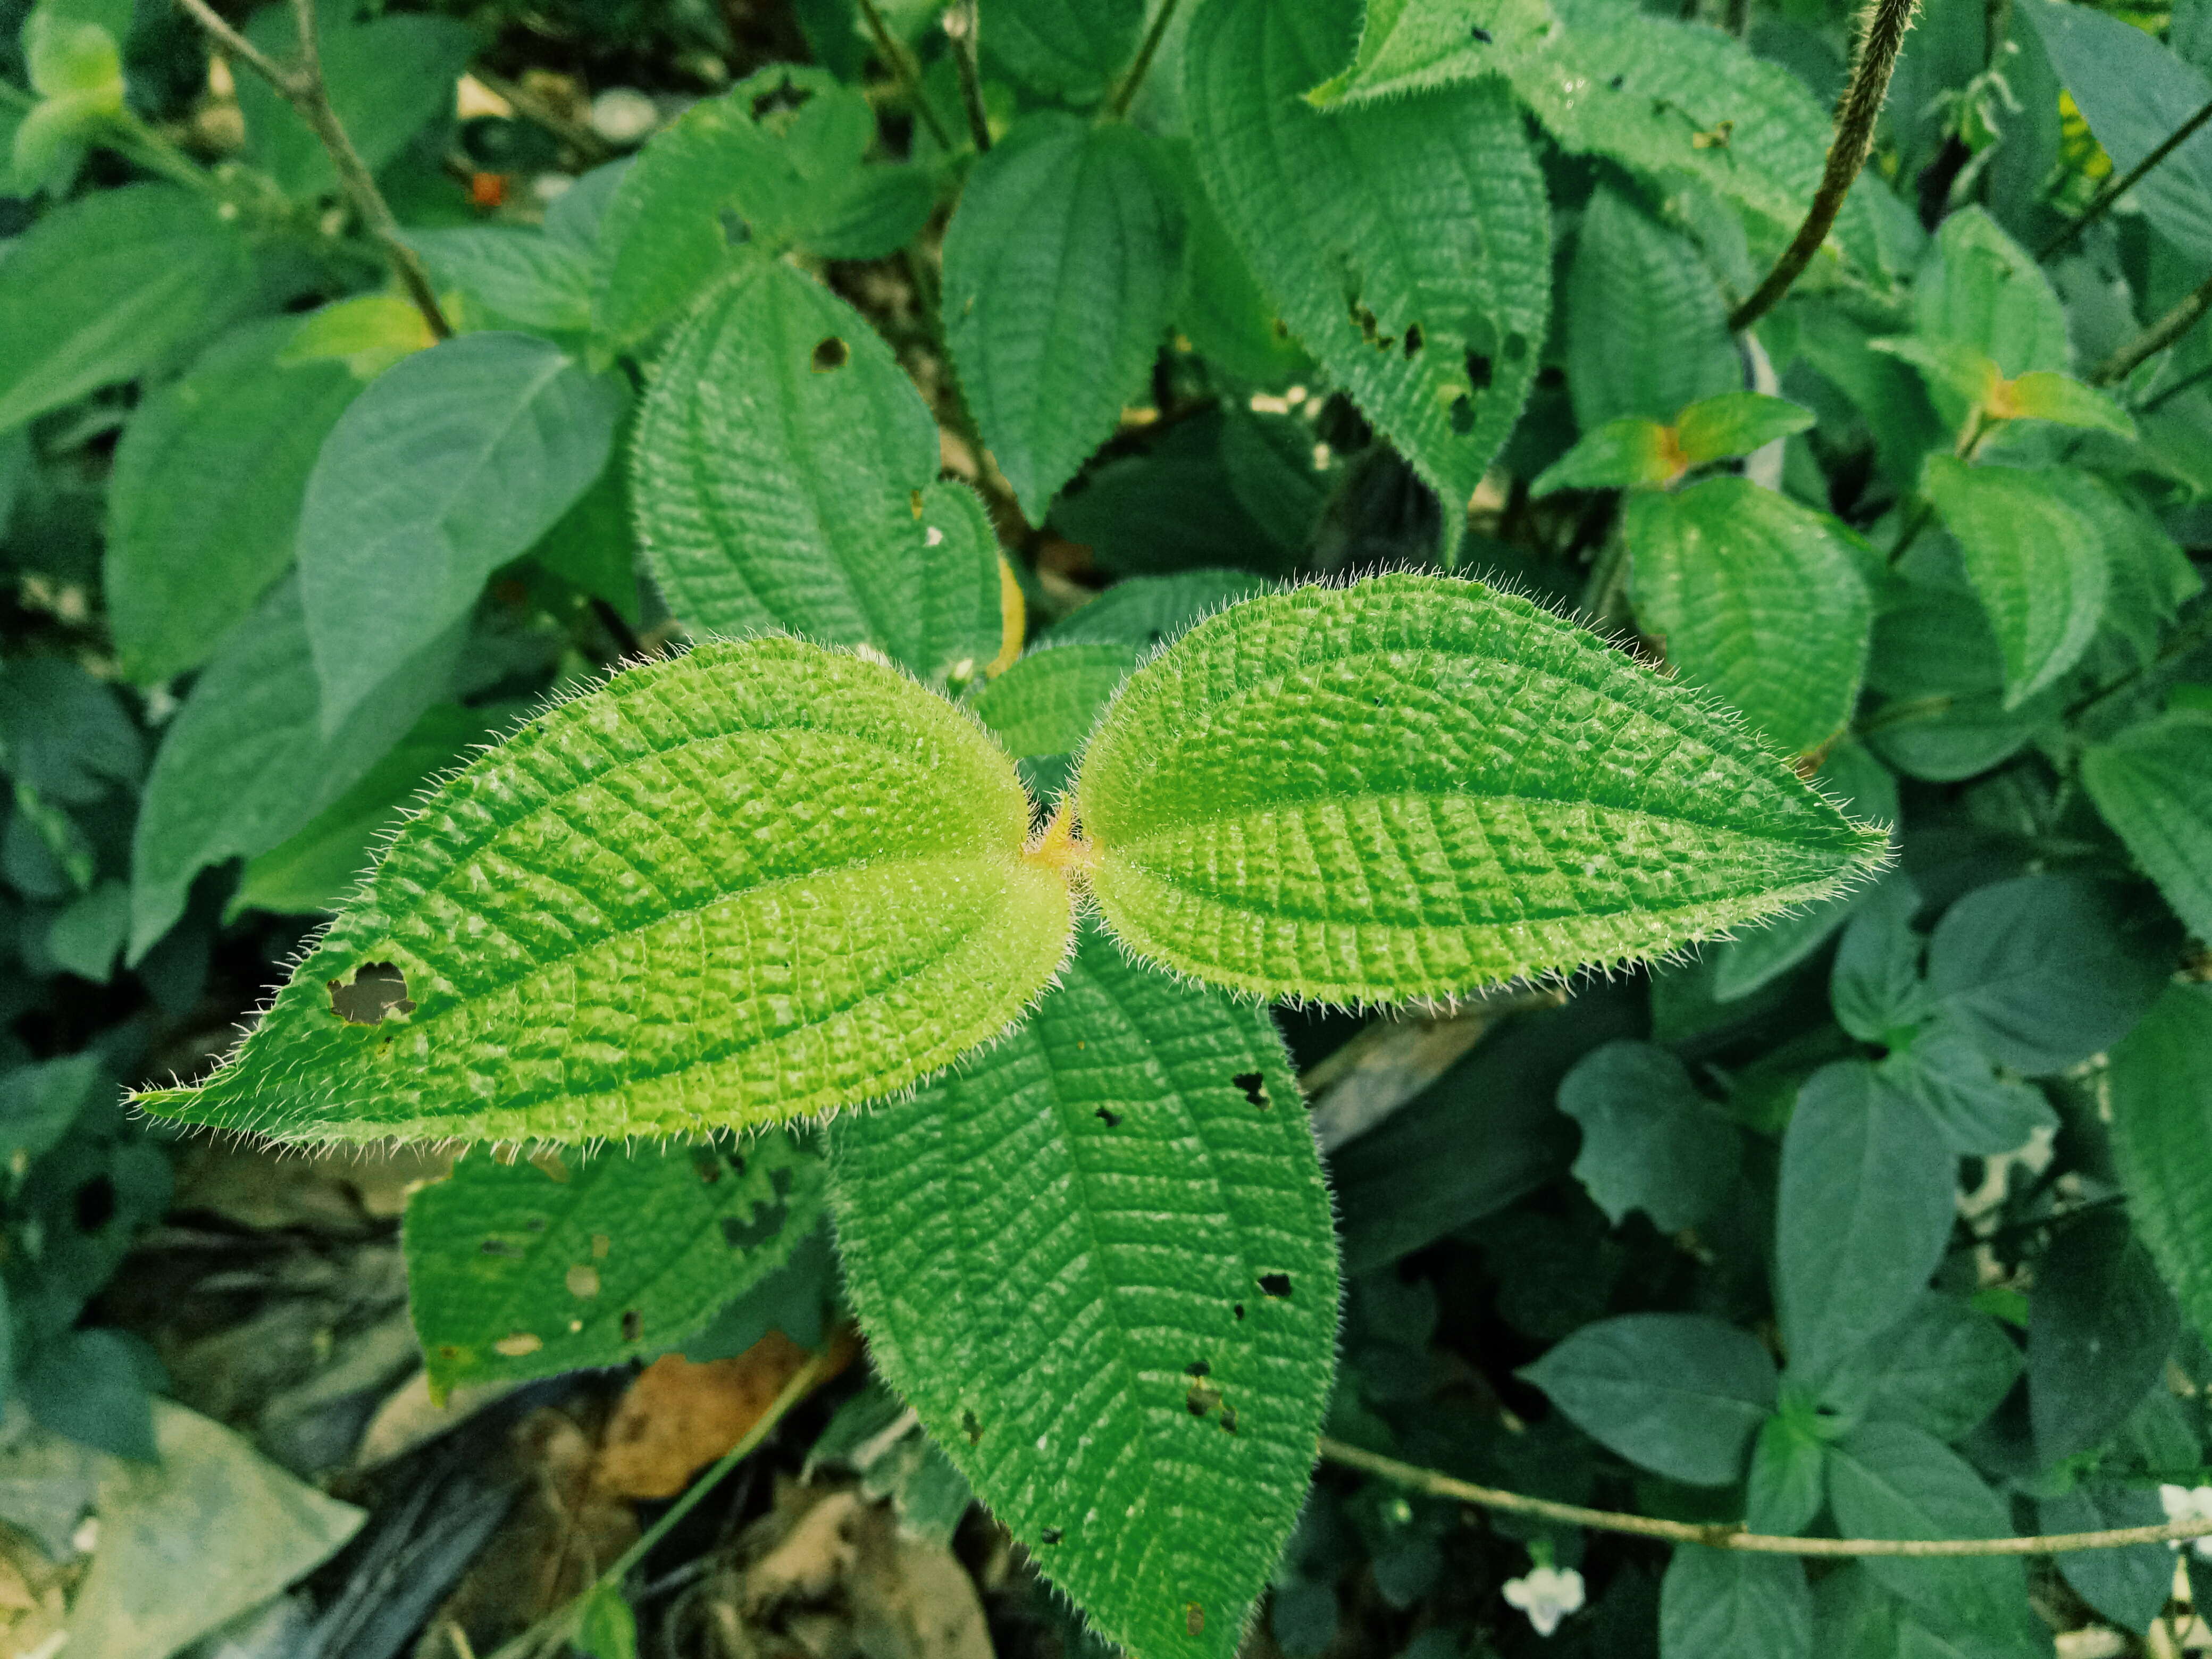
<point x="904" y="71"/>
<point x="1882" y="35"/>
<point x="2155" y="338"/>
<point x="302" y="87"/>
<point x="1728" y="1537"/>
<point x="960" y="30"/>
<point x="1141" y="64"/>
<point x="2108" y="196"/>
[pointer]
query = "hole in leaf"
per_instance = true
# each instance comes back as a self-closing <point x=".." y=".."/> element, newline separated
<point x="971" y="1428"/>
<point x="1462" y="415"/>
<point x="94" y="1207"/>
<point x="783" y="96"/>
<point x="831" y="353"/>
<point x="1229" y="1419"/>
<point x="583" y="1281"/>
<point x="498" y="1246"/>
<point x="1111" y="1120"/>
<point x="517" y="1345"/>
<point x="1193" y="1619"/>
<point x="1050" y="1535"/>
<point x="1254" y="1087"/>
<point x="1480" y="34"/>
<point x="376" y="989"/>
<point x="1275" y="1285"/>
<point x="1201" y="1398"/>
<point x="1413" y="341"/>
<point x="766" y="1223"/>
<point x="1198" y="1368"/>
<point x="1238" y="1310"/>
<point x="633" y="1325"/>
<point x="1478" y="371"/>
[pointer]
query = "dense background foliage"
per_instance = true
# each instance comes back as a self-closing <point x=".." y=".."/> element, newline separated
<point x="1892" y="1218"/>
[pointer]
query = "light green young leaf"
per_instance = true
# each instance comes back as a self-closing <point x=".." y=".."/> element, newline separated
<point x="1862" y="1214"/>
<point x="367" y="333"/>
<point x="2160" y="1092"/>
<point x="1060" y="269"/>
<point x="1500" y="795"/>
<point x="76" y="70"/>
<point x="1407" y="244"/>
<point x="607" y="1629"/>
<point x="759" y="881"/>
<point x="389" y="77"/>
<point x="1787" y="1483"/>
<point x="246" y="762"/>
<point x="781" y="153"/>
<point x="1760" y="601"/>
<point x="102" y="288"/>
<point x="314" y="868"/>
<point x="1723" y="1604"/>
<point x="1066" y="49"/>
<point x="2038" y="565"/>
<point x="452" y="463"/>
<point x="2043" y="394"/>
<point x="1044" y="707"/>
<point x="1737" y="423"/>
<point x="1964" y="377"/>
<point x="1097" y="1261"/>
<point x="1679" y="103"/>
<point x="1979" y="288"/>
<point x="1679" y="1393"/>
<point x="1891" y="1481"/>
<point x="2153" y="784"/>
<point x="1650" y="1141"/>
<point x="784" y="475"/>
<point x="519" y="278"/>
<point x="1647" y="330"/>
<point x="1618" y="455"/>
<point x="204" y="498"/>
<point x="2134" y="93"/>
<point x="536" y="1266"/>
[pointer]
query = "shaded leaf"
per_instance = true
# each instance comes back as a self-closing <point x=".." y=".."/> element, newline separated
<point x="1650" y="1141"/>
<point x="1647" y="330"/>
<point x="1979" y="1113"/>
<point x="1943" y="1368"/>
<point x="2153" y="782"/>
<point x="2100" y="1329"/>
<point x="1721" y="1604"/>
<point x="2128" y="1586"/>
<point x="1680" y="1393"/>
<point x="2161" y="1128"/>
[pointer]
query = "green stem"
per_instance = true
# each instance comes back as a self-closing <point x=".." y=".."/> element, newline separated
<point x="2184" y="642"/>
<point x="559" y="1622"/>
<point x="2106" y="197"/>
<point x="1141" y="64"/>
<point x="2155" y="338"/>
<point x="904" y="71"/>
<point x="960" y="29"/>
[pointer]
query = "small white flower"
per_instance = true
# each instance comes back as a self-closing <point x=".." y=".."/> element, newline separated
<point x="2182" y="1503"/>
<point x="1547" y="1596"/>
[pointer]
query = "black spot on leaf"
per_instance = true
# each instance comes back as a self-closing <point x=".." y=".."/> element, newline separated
<point x="1112" y="1119"/>
<point x="1480" y="34"/>
<point x="1275" y="1285"/>
<point x="707" y="1166"/>
<point x="376" y="989"/>
<point x="830" y="354"/>
<point x="498" y="1246"/>
<point x="1254" y="1087"/>
<point x="535" y="1224"/>
<point x="737" y="1163"/>
<point x="1238" y="1310"/>
<point x="633" y="1325"/>
<point x="735" y="231"/>
<point x="1413" y="341"/>
<point x="971" y="1428"/>
<point x="1050" y="1535"/>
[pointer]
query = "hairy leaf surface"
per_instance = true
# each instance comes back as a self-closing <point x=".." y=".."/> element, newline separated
<point x="1059" y="270"/>
<point x="1759" y="600"/>
<point x="2161" y="1103"/>
<point x="1097" y="1259"/>
<point x="1647" y="333"/>
<point x="1407" y="244"/>
<point x="1068" y="48"/>
<point x="2036" y="564"/>
<point x="539" y="1266"/>
<point x="762" y="880"/>
<point x="784" y="478"/>
<point x="2153" y="784"/>
<point x="1417" y="786"/>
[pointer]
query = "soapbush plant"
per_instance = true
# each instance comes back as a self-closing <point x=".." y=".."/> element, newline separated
<point x="1577" y="552"/>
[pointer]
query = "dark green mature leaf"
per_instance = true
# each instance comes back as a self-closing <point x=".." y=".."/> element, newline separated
<point x="1891" y="1481"/>
<point x="1407" y="244"/>
<point x="1146" y="611"/>
<point x="2128" y="1586"/>
<point x="1682" y="104"/>
<point x="1863" y="1215"/>
<point x="1723" y="1604"/>
<point x="1875" y="987"/>
<point x="1069" y="49"/>
<point x="1044" y="707"/>
<point x="38" y="1102"/>
<point x="1937" y="662"/>
<point x="1219" y="305"/>
<point x="102" y="288"/>
<point x="1416" y="855"/>
<point x="1977" y="1113"/>
<point x="758" y="881"/>
<point x="2134" y="93"/>
<point x="1650" y="1141"/>
<point x="2044" y="971"/>
<point x="2153" y="784"/>
<point x="1677" y="1393"/>
<point x="204" y="499"/>
<point x="2100" y="1329"/>
<point x="388" y="77"/>
<point x="245" y="761"/>
<point x="1647" y="332"/>
<point x="528" y="1268"/>
<point x="782" y="153"/>
<point x="1059" y="270"/>
<point x="2161" y="1106"/>
<point x="517" y="278"/>
<point x="452" y="463"/>
<point x="2038" y="565"/>
<point x="2152" y="578"/>
<point x="1759" y="600"/>
<point x="64" y="734"/>
<point x="1097" y="1259"/>
<point x="1978" y="288"/>
<point x="784" y="478"/>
